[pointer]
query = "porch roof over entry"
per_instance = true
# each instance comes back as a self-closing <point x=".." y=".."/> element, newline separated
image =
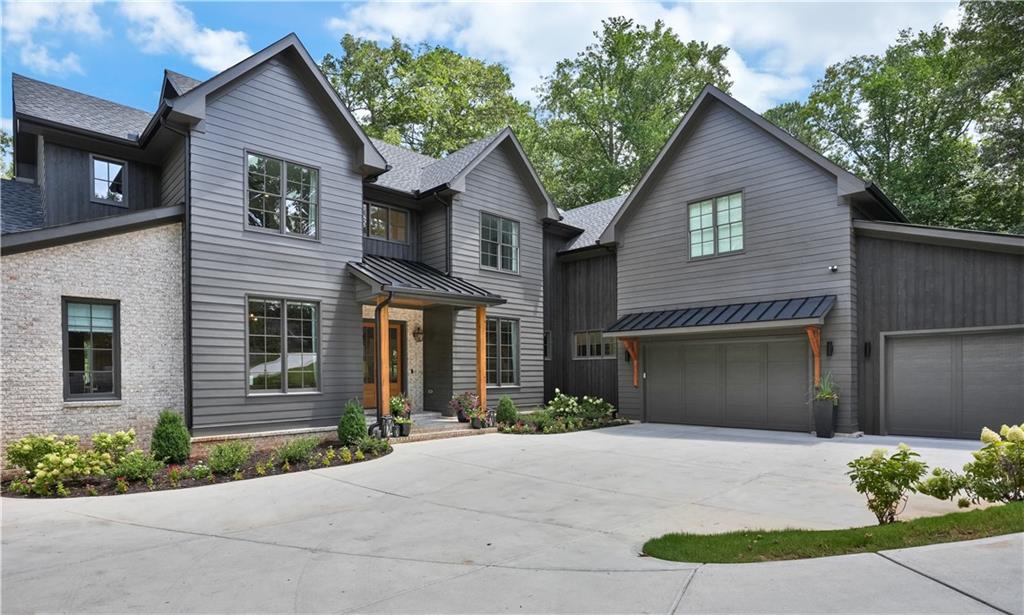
<point x="754" y="315"/>
<point x="418" y="284"/>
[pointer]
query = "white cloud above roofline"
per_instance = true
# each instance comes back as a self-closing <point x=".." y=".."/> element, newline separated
<point x="34" y="31"/>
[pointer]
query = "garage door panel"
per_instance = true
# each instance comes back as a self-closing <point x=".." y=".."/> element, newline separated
<point x="993" y="382"/>
<point x="664" y="385"/>
<point x="744" y="385"/>
<point x="920" y="386"/>
<point x="701" y="385"/>
<point x="789" y="392"/>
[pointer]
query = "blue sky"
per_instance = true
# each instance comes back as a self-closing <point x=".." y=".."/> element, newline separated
<point x="118" y="50"/>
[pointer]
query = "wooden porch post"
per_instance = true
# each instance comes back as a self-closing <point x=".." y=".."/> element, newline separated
<point x="814" y="337"/>
<point x="634" y="356"/>
<point x="384" y="360"/>
<point x="481" y="355"/>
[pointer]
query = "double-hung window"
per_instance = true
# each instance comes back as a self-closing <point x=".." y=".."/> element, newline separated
<point x="499" y="243"/>
<point x="91" y="354"/>
<point x="283" y="346"/>
<point x="592" y="345"/>
<point x="502" y="352"/>
<point x="282" y="196"/>
<point x="716" y="225"/>
<point x="108" y="181"/>
<point x="388" y="223"/>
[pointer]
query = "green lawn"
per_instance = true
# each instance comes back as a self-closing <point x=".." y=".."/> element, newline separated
<point x="762" y="546"/>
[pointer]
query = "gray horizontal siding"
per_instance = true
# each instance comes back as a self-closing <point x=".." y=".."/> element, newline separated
<point x="497" y="186"/>
<point x="270" y="111"/>
<point x="794" y="229"/>
<point x="434" y="235"/>
<point x="906" y="286"/>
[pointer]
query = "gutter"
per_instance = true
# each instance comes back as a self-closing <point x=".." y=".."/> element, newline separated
<point x="872" y="189"/>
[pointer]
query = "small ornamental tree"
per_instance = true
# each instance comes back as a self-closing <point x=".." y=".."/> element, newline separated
<point x="887" y="481"/>
<point x="171" y="442"/>
<point x="352" y="426"/>
<point x="507" y="412"/>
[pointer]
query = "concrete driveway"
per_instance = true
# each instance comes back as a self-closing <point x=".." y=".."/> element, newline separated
<point x="500" y="523"/>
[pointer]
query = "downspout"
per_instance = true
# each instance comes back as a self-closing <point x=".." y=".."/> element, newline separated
<point x="378" y="372"/>
<point x="186" y="273"/>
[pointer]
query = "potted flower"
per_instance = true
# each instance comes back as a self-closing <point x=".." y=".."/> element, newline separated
<point x="403" y="425"/>
<point x="826" y="406"/>
<point x="461" y="404"/>
<point x="477" y="417"/>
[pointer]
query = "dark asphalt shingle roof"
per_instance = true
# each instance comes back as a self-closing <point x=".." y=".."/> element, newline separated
<point x="593" y="219"/>
<point x="418" y="278"/>
<point x="414" y="172"/>
<point x="21" y="206"/>
<point x="183" y="84"/>
<point x="53" y="103"/>
<point x="731" y="314"/>
<point x="445" y="169"/>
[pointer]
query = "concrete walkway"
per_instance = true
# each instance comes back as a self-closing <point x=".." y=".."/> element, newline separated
<point x="501" y="523"/>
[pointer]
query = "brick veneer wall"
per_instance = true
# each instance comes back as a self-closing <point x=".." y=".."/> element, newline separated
<point x="140" y="269"/>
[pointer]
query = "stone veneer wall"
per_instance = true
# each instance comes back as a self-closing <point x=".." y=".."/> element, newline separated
<point x="140" y="269"/>
<point x="413" y="354"/>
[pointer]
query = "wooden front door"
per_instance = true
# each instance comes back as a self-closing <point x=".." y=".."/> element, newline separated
<point x="396" y="342"/>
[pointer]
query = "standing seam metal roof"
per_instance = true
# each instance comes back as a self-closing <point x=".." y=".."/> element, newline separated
<point x="731" y="314"/>
<point x="398" y="275"/>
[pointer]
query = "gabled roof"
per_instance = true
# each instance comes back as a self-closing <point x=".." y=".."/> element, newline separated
<point x="459" y="162"/>
<point x="593" y="219"/>
<point x="848" y="183"/>
<point x="21" y="206"/>
<point x="404" y="167"/>
<point x="181" y="84"/>
<point x="192" y="104"/>
<point x="54" y="104"/>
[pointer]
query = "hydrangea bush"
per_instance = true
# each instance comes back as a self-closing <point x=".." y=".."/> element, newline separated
<point x="995" y="475"/>
<point x="887" y="481"/>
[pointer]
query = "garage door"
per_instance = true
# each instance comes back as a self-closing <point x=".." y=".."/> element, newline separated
<point x="952" y="385"/>
<point x="736" y="383"/>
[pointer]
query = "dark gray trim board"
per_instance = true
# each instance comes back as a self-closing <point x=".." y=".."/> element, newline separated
<point x="13" y="243"/>
<point x="977" y="240"/>
<point x="115" y="349"/>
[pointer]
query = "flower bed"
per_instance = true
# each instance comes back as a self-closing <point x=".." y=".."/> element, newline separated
<point x="563" y="414"/>
<point x="113" y="466"/>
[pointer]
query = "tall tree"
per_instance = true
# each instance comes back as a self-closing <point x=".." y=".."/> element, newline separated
<point x="430" y="99"/>
<point x="6" y="150"/>
<point x="608" y="111"/>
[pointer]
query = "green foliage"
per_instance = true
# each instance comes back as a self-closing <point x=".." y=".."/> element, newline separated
<point x="359" y="456"/>
<point x="826" y="389"/>
<point x="297" y="450"/>
<point x="6" y="150"/>
<point x="465" y="403"/>
<point x="508" y="414"/>
<point x="27" y="452"/>
<point x="345" y="455"/>
<point x="67" y="465"/>
<point x="227" y="457"/>
<point x="400" y="406"/>
<point x="995" y="475"/>
<point x="565" y="413"/>
<point x="171" y="442"/>
<point x="136" y="465"/>
<point x="608" y="111"/>
<point x="374" y="447"/>
<point x="352" y="426"/>
<point x="887" y="481"/>
<point x="201" y="471"/>
<point x="116" y="444"/>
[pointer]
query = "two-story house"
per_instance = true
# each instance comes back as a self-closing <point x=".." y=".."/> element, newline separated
<point x="247" y="254"/>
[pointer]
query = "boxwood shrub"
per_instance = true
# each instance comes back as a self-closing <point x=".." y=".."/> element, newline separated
<point x="171" y="441"/>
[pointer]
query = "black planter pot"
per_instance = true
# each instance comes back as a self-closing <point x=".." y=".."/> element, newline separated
<point x="404" y="429"/>
<point x="825" y="418"/>
<point x="462" y="417"/>
<point x="476" y="423"/>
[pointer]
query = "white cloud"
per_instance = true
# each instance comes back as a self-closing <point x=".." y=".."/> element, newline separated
<point x="30" y="27"/>
<point x="778" y="49"/>
<point x="168" y="27"/>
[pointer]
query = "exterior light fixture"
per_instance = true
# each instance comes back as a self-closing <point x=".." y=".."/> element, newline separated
<point x="417" y="333"/>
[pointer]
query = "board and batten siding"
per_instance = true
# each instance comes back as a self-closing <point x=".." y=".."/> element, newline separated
<point x="794" y="228"/>
<point x="271" y="111"/>
<point x="909" y="286"/>
<point x="172" y="175"/>
<point x="434" y="235"/>
<point x="497" y="186"/>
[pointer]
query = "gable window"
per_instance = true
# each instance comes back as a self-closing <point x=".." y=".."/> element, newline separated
<point x="499" y="243"/>
<point x="502" y="352"/>
<point x="108" y="181"/>
<point x="388" y="223"/>
<point x="283" y="346"/>
<point x="716" y="226"/>
<point x="592" y="345"/>
<point x="282" y="196"/>
<point x="91" y="361"/>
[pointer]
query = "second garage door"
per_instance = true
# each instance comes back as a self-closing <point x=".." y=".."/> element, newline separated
<point x="762" y="384"/>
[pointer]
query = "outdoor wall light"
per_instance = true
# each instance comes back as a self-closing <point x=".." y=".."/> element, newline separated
<point x="828" y="349"/>
<point x="417" y="333"/>
<point x="833" y="268"/>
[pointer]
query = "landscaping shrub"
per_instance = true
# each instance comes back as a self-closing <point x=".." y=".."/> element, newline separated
<point x="65" y="465"/>
<point x="887" y="481"/>
<point x="136" y="465"/>
<point x="369" y="445"/>
<point x="995" y="475"/>
<point x="201" y="472"/>
<point x="27" y="452"/>
<point x="116" y="444"/>
<point x="227" y="457"/>
<point x="352" y="426"/>
<point x="297" y="450"/>
<point x="171" y="441"/>
<point x="508" y="414"/>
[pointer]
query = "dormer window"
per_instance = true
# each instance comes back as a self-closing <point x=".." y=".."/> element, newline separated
<point x="108" y="181"/>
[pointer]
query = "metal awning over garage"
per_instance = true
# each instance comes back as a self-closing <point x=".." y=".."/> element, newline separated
<point x="799" y="312"/>
<point x="417" y="284"/>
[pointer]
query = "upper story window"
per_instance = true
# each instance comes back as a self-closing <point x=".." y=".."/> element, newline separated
<point x="283" y="347"/>
<point x="388" y="223"/>
<point x="592" y="345"/>
<point x="716" y="226"/>
<point x="499" y="243"/>
<point x="91" y="361"/>
<point x="282" y="196"/>
<point x="108" y="180"/>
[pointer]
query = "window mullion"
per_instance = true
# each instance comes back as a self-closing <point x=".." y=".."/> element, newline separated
<point x="284" y="346"/>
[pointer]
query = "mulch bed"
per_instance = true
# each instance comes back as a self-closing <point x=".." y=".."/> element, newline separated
<point x="525" y="427"/>
<point x="162" y="480"/>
